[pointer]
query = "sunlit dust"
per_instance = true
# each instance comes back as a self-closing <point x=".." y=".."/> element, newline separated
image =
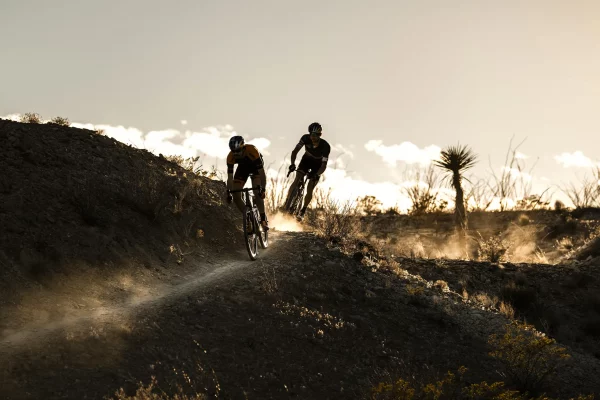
<point x="284" y="222"/>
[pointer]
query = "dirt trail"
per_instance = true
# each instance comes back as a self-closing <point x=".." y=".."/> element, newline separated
<point x="13" y="339"/>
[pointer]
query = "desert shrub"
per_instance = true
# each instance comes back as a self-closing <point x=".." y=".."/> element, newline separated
<point x="442" y="285"/>
<point x="452" y="386"/>
<point x="62" y="121"/>
<point x="529" y="357"/>
<point x="368" y="205"/>
<point x="337" y="220"/>
<point x="392" y="211"/>
<point x="485" y="300"/>
<point x="424" y="194"/>
<point x="190" y="164"/>
<point x="564" y="244"/>
<point x="559" y="206"/>
<point x="492" y="249"/>
<point x="31" y="118"/>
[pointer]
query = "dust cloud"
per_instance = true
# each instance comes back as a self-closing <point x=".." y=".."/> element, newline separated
<point x="285" y="222"/>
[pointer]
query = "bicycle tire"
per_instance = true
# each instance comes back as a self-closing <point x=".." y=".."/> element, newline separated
<point x="298" y="202"/>
<point x="263" y="236"/>
<point x="251" y="239"/>
<point x="291" y="201"/>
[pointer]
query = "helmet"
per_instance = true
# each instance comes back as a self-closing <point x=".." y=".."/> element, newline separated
<point x="236" y="143"/>
<point x="315" y="127"/>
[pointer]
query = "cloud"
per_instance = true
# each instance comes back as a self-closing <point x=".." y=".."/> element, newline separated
<point x="405" y="151"/>
<point x="575" y="159"/>
<point x="517" y="174"/>
<point x="211" y="141"/>
<point x="342" y="150"/>
<point x="345" y="188"/>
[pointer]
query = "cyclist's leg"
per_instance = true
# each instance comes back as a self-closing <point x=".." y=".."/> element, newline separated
<point x="239" y="180"/>
<point x="310" y="187"/>
<point x="260" y="203"/>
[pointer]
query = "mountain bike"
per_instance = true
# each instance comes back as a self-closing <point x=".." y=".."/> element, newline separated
<point x="294" y="203"/>
<point x="253" y="231"/>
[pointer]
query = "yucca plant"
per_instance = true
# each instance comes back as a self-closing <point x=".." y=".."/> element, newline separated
<point x="455" y="160"/>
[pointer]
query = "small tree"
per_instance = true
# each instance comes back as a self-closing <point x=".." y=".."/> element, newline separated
<point x="455" y="160"/>
<point x="369" y="205"/>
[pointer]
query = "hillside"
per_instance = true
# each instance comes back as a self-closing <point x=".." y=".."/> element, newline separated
<point x="117" y="265"/>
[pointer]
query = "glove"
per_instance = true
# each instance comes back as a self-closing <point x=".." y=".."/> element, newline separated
<point x="292" y="167"/>
<point x="262" y="192"/>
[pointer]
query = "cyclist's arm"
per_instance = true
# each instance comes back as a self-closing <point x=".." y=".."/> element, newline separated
<point x="259" y="164"/>
<point x="263" y="178"/>
<point x="324" y="161"/>
<point x="230" y="164"/>
<point x="298" y="147"/>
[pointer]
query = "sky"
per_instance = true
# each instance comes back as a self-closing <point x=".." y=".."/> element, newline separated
<point x="392" y="82"/>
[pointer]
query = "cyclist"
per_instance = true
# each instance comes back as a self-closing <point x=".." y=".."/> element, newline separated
<point x="313" y="162"/>
<point x="250" y="163"/>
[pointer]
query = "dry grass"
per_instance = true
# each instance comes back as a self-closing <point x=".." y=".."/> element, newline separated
<point x="152" y="391"/>
<point x="268" y="280"/>
<point x="507" y="310"/>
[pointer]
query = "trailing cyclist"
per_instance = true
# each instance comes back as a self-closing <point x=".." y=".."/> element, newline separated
<point x="250" y="164"/>
<point x="313" y="162"/>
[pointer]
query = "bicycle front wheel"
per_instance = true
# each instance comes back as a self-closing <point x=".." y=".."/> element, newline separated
<point x="250" y="236"/>
<point x="263" y="237"/>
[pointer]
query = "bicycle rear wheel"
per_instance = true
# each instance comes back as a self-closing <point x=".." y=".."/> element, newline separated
<point x="250" y="236"/>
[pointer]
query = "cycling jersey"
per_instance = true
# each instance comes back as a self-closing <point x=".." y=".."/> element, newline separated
<point x="249" y="162"/>
<point x="320" y="152"/>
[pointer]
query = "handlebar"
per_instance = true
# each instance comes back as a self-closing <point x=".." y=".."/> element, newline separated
<point x="246" y="189"/>
<point x="306" y="176"/>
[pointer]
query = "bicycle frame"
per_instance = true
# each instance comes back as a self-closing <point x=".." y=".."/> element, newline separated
<point x="252" y="218"/>
<point x="298" y="196"/>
